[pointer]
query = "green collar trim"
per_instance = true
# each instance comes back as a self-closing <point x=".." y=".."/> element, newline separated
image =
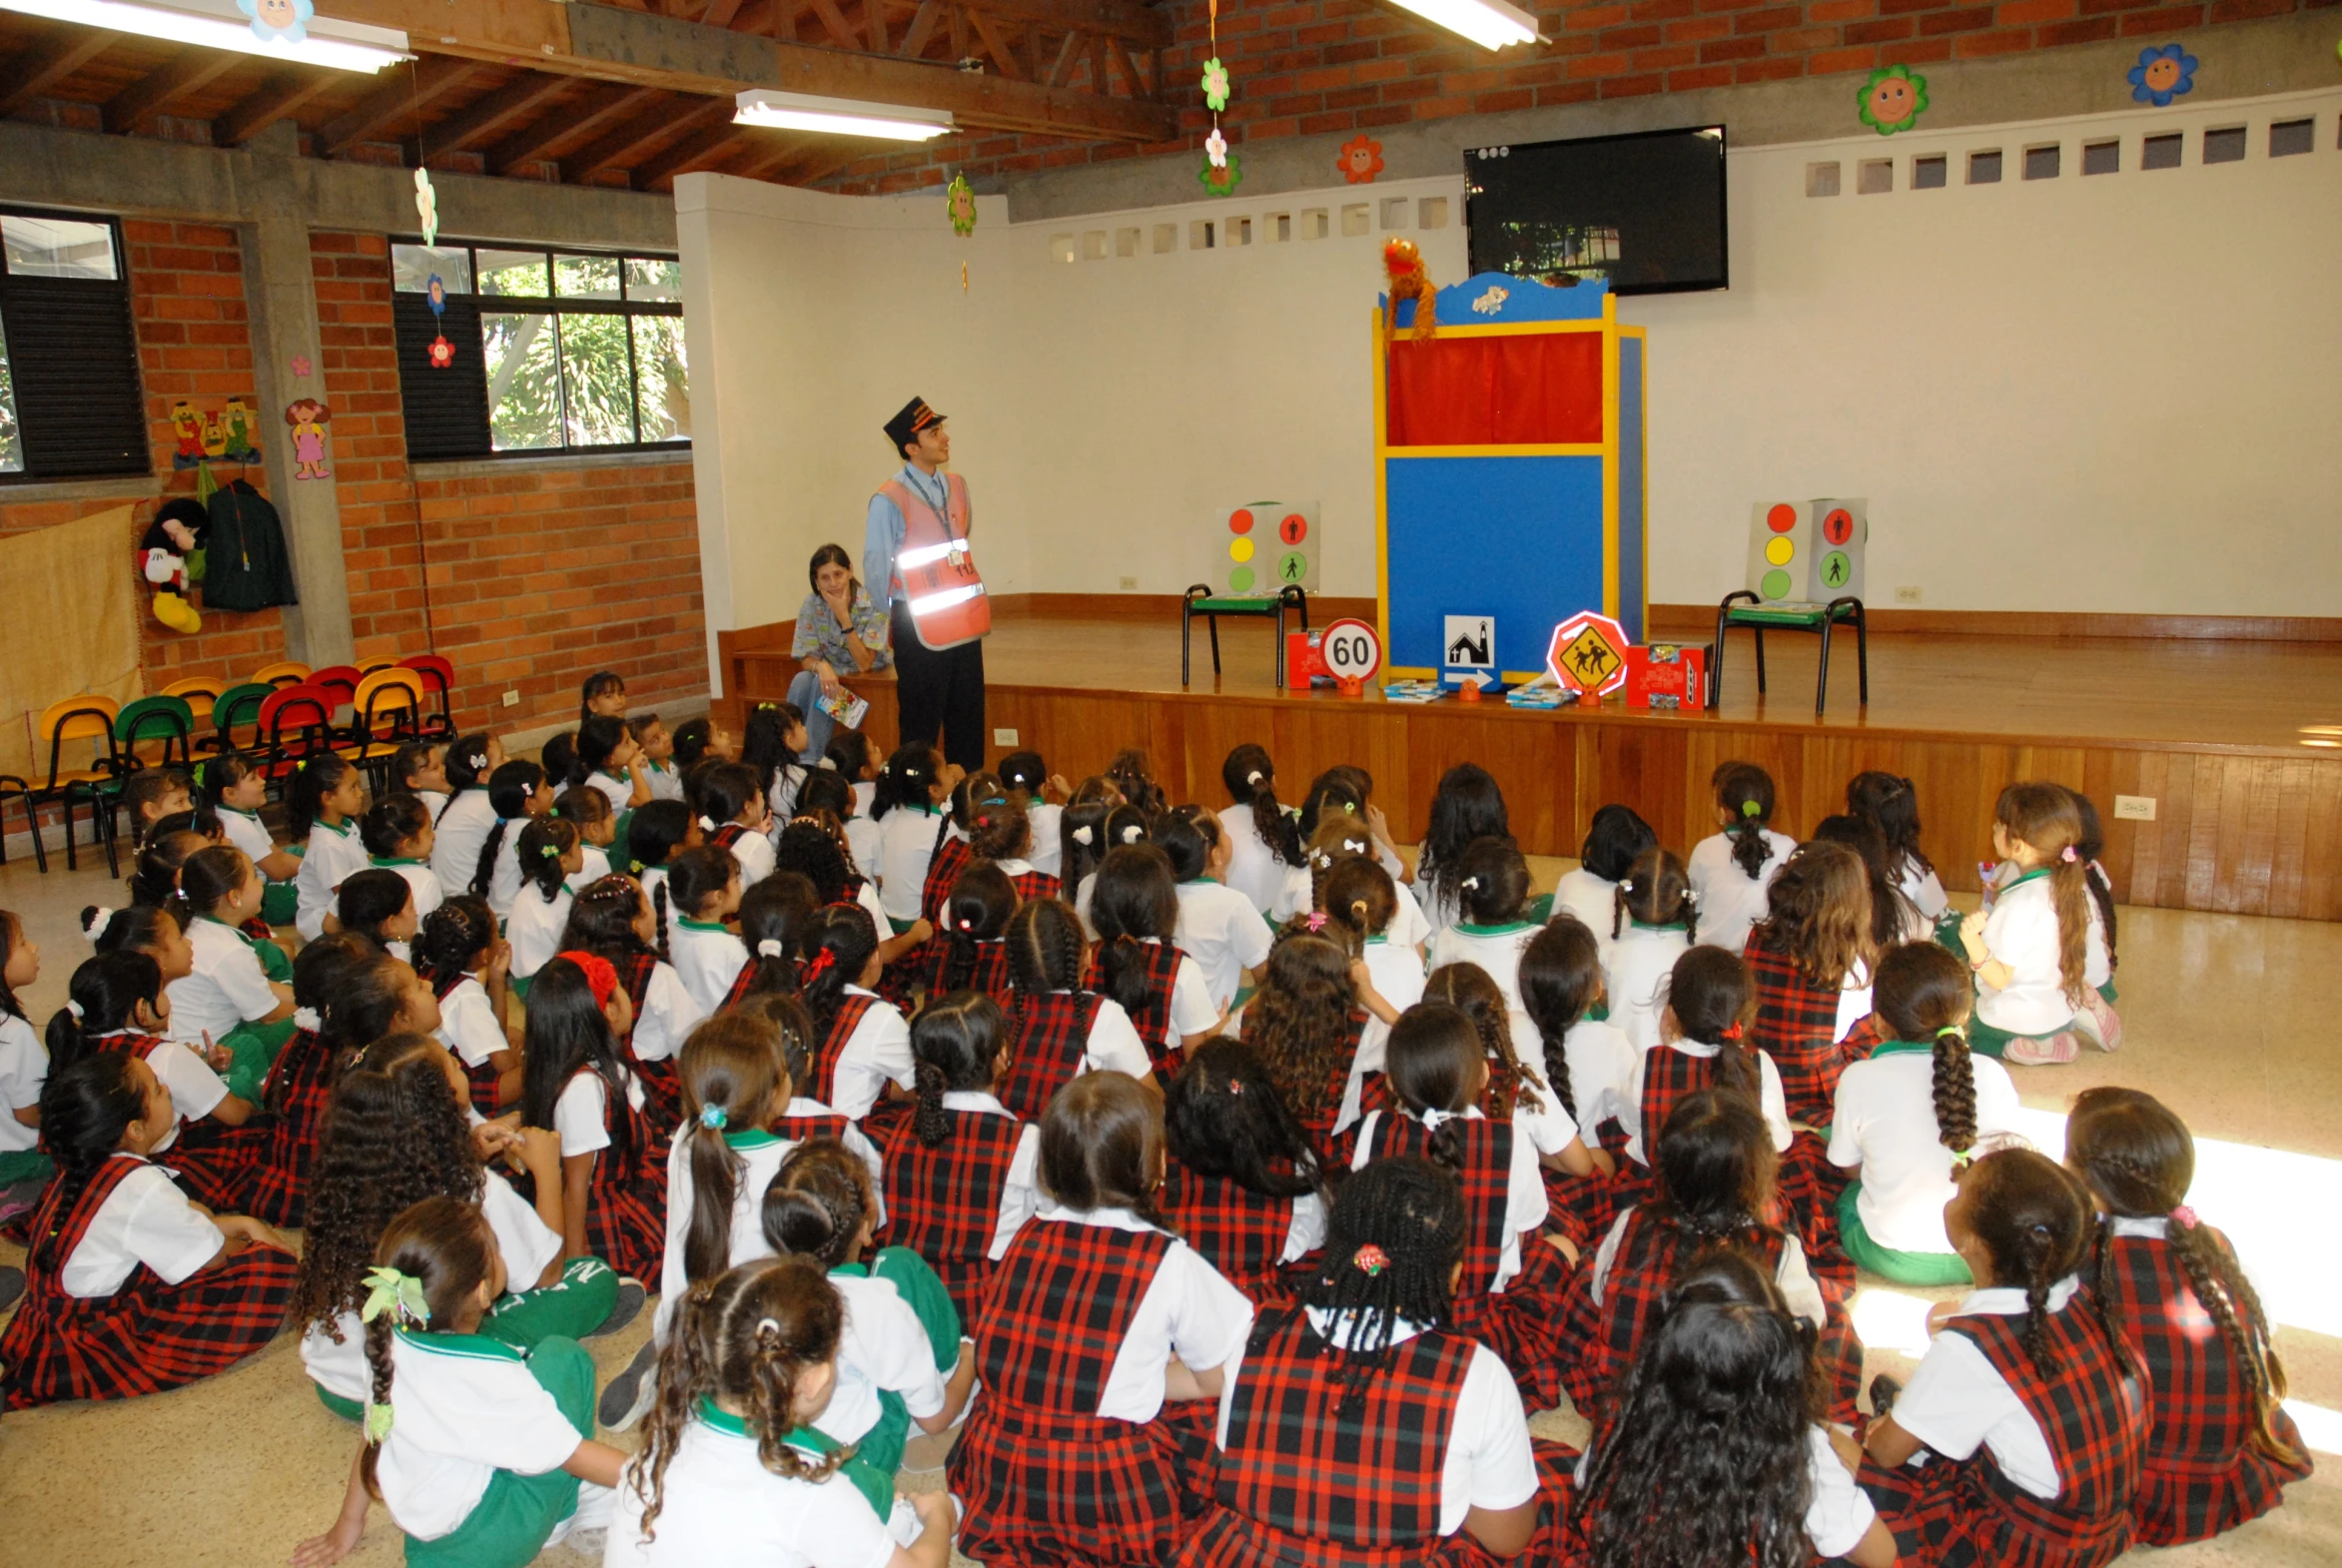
<point x="1471" y="930"/>
<point x="729" y="1424"/>
<point x="1637" y="925"/>
<point x="2034" y="875"/>
<point x="224" y="926"/>
<point x="341" y="828"/>
<point x="754" y="1137"/>
<point x="476" y="1347"/>
<point x="699" y="925"/>
<point x="1903" y="1048"/>
<point x="236" y="811"/>
<point x="394" y="860"/>
<point x="851" y="1271"/>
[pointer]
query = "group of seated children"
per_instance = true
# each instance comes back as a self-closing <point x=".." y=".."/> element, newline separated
<point x="1221" y="1188"/>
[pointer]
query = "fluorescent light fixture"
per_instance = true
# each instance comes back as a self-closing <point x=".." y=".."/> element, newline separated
<point x="1492" y="24"/>
<point x="837" y="116"/>
<point x="217" y="24"/>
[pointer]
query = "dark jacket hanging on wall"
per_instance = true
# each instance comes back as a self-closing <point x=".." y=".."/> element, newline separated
<point x="245" y="566"/>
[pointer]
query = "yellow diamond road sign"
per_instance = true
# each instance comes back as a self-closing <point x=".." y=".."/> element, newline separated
<point x="1588" y="652"/>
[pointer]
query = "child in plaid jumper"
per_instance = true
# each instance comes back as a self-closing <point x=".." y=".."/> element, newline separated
<point x="1058" y="1029"/>
<point x="1135" y="907"/>
<point x="302" y="1083"/>
<point x="1241" y="1181"/>
<point x="1590" y="1066"/>
<point x="578" y="1084"/>
<point x="2220" y="1447"/>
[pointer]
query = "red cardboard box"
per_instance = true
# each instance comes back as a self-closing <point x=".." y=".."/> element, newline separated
<point x="1301" y="659"/>
<point x="1666" y="675"/>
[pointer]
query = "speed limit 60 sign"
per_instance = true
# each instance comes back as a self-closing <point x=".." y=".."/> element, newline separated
<point x="1351" y="652"/>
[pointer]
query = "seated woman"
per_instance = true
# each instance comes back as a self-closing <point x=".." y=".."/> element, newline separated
<point x="839" y="632"/>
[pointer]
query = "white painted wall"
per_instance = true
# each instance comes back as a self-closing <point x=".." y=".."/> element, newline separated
<point x="2110" y="393"/>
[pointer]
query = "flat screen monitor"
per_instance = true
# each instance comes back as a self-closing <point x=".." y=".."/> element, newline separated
<point x="1644" y="211"/>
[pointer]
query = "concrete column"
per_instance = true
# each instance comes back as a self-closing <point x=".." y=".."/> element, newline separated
<point x="280" y="291"/>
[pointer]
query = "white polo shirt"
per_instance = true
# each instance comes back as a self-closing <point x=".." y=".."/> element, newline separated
<point x="1048" y="853"/>
<point x="457" y="837"/>
<point x="668" y="1014"/>
<point x="724" y="1509"/>
<point x="468" y="1025"/>
<point x="1496" y="949"/>
<point x="1593" y="900"/>
<point x="1729" y="901"/>
<point x="906" y="843"/>
<point x="1605" y="1079"/>
<point x="1221" y="930"/>
<point x="1924" y="888"/>
<point x="24" y="1069"/>
<point x="1545" y="1131"/>
<point x="331" y="854"/>
<point x="579" y="1115"/>
<point x="1635" y="970"/>
<point x="877" y="1053"/>
<point x="247" y="832"/>
<point x="595" y="864"/>
<point x="534" y="928"/>
<point x="760" y="1155"/>
<point x="1795" y="1281"/>
<point x="884" y="1348"/>
<point x="225" y="988"/>
<point x="707" y="958"/>
<point x="1956" y="1402"/>
<point x="1255" y="870"/>
<point x="429" y="894"/>
<point x="1397" y="974"/>
<point x="145" y="1220"/>
<point x="196" y="1091"/>
<point x="1885" y="1121"/>
<point x="465" y="1407"/>
<point x="2022" y="932"/>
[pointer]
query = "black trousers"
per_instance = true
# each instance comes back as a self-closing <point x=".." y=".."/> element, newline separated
<point x="940" y="692"/>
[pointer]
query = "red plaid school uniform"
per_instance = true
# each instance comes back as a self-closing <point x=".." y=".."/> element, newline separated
<point x="146" y="1335"/>
<point x="663" y="1084"/>
<point x="302" y="1083"/>
<point x="1795" y="1026"/>
<point x="1318" y="1120"/>
<point x="797" y="1129"/>
<point x="1240" y="1231"/>
<point x="1044" y="1478"/>
<point x="822" y="1080"/>
<point x="1522" y="1325"/>
<point x="989" y="975"/>
<point x="626" y="1200"/>
<point x="944" y="1202"/>
<point x="1049" y="1036"/>
<point x="1669" y="1075"/>
<point x="258" y="929"/>
<point x="2093" y="1414"/>
<point x="1152" y="1018"/>
<point x="2204" y="1474"/>
<point x="481" y="1078"/>
<point x="213" y="1162"/>
<point x="950" y="859"/>
<point x="728" y="835"/>
<point x="744" y="983"/>
<point x="1605" y="1335"/>
<point x="1033" y="885"/>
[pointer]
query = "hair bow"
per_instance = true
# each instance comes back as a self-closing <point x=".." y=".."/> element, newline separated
<point x="1729" y="1032"/>
<point x="480" y="761"/>
<point x="2184" y="1217"/>
<point x="547" y="851"/>
<point x="1315" y="921"/>
<point x="707" y="824"/>
<point x="1370" y="1260"/>
<point x="1236" y="1087"/>
<point x="600" y="978"/>
<point x="1749" y="808"/>
<point x="1133" y="833"/>
<point x="309" y="1019"/>
<point x="1082" y="836"/>
<point x="2067" y="855"/>
<point x="390" y="1291"/>
<point x="768" y="948"/>
<point x="76" y="1008"/>
<point x="713" y="1118"/>
<point x="819" y="965"/>
<point x="99" y="915"/>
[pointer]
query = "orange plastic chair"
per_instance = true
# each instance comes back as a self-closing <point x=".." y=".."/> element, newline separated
<point x="88" y="718"/>
<point x="384" y="713"/>
<point x="284" y="672"/>
<point x="200" y="692"/>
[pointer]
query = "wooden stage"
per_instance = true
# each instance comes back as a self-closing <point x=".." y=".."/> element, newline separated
<point x="2239" y="744"/>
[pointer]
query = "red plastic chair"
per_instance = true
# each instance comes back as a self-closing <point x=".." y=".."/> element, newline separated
<point x="295" y="722"/>
<point x="439" y="679"/>
<point x="339" y="679"/>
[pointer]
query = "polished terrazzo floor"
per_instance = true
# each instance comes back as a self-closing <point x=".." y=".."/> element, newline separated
<point x="2228" y="1019"/>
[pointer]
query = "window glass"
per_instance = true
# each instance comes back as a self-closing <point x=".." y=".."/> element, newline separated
<point x="412" y="266"/>
<point x="523" y="349"/>
<point x="662" y="392"/>
<point x="650" y="279"/>
<point x="57" y="247"/>
<point x="519" y="273"/>
<point x="11" y="433"/>
<point x="585" y="276"/>
<point x="597" y="381"/>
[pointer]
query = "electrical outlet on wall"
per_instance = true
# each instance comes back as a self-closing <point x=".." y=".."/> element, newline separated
<point x="511" y="699"/>
<point x="2136" y="808"/>
<point x="1003" y="737"/>
<point x="1907" y="595"/>
<point x="1130" y="585"/>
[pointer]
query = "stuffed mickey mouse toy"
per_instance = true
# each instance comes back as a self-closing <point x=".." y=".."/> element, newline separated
<point x="163" y="557"/>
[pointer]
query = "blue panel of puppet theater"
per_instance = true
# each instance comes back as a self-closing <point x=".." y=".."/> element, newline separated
<point x="1630" y="486"/>
<point x="1520" y="538"/>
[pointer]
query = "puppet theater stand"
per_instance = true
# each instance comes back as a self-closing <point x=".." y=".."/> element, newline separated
<point x="1508" y="457"/>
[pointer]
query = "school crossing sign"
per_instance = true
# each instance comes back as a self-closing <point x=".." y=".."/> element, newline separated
<point x="1588" y="654"/>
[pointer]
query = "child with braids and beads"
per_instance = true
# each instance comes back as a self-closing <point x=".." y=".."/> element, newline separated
<point x="520" y="793"/>
<point x="1220" y="928"/>
<point x="397" y="833"/>
<point x="1716" y="1449"/>
<point x="774" y="916"/>
<point x="2031" y="951"/>
<point x="1715" y="1189"/>
<point x="655" y="834"/>
<point x="862" y="1041"/>
<point x="1135" y="906"/>
<point x="1811" y="960"/>
<point x="1590" y="1067"/>
<point x="1263" y="840"/>
<point x="1359" y="1428"/>
<point x="908" y="808"/>
<point x="735" y="1465"/>
<point x="1102" y="1332"/>
<point x="1243" y="1183"/>
<point x="703" y="889"/>
<point x="1907" y="1118"/>
<point x="2220" y="1447"/>
<point x="959" y="1170"/>
<point x="548" y="853"/>
<point x="467" y="966"/>
<point x="1510" y="1294"/>
<point x="483" y="1453"/>
<point x="325" y="794"/>
<point x="1307" y="1023"/>
<point x="1654" y="922"/>
<point x="1057" y="1028"/>
<point x="396" y="1135"/>
<point x="1730" y="869"/>
<point x="116" y="1002"/>
<point x="2027" y="1403"/>
<point x="972" y="952"/>
<point x="903" y="1361"/>
<point x="614" y="920"/>
<point x="575" y="1081"/>
<point x="302" y="1083"/>
<point x="129" y="1287"/>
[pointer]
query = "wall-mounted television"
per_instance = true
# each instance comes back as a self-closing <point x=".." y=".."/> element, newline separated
<point x="1644" y="211"/>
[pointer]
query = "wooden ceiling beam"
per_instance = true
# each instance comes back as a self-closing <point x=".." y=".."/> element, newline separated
<point x="191" y="70"/>
<point x="534" y="140"/>
<point x="719" y="13"/>
<point x="44" y="65"/>
<point x="708" y="145"/>
<point x="272" y="101"/>
<point x="915" y="41"/>
<point x="1068" y="52"/>
<point x="406" y="89"/>
<point x="996" y="45"/>
<point x="494" y="111"/>
<point x="1144" y="26"/>
<point x="663" y="120"/>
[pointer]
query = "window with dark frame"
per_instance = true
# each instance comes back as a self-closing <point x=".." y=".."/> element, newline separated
<point x="538" y="350"/>
<point x="71" y="406"/>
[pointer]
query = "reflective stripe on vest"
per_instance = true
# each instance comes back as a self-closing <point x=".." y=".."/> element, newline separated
<point x="935" y="571"/>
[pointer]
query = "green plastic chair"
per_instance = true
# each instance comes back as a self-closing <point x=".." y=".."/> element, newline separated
<point x="1199" y="600"/>
<point x="238" y="705"/>
<point x="167" y="720"/>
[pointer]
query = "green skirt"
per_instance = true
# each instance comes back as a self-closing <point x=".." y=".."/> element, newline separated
<point x="517" y="1515"/>
<point x="254" y="1048"/>
<point x="25" y="1165"/>
<point x="1903" y="1268"/>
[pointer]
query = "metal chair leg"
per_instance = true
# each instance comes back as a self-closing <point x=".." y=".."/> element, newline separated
<point x="110" y="832"/>
<point x="1862" y="650"/>
<point x="1759" y="633"/>
<point x="32" y="819"/>
<point x="1187" y="642"/>
<point x="1212" y="621"/>
<point x="1821" y="682"/>
<point x="1279" y="652"/>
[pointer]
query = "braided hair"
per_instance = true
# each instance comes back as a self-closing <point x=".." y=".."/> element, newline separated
<point x="512" y="789"/>
<point x="1714" y="1000"/>
<point x="1300" y="1019"/>
<point x="1560" y="976"/>
<point x="748" y="1338"/>
<point x="819" y="1204"/>
<point x="1102" y="1147"/>
<point x="606" y="918"/>
<point x="1392" y="1241"/>
<point x="1337" y="844"/>
<point x="840" y="941"/>
<point x="2032" y="1216"/>
<point x="957" y="1043"/>
<point x="774" y="916"/>
<point x="1717" y="1166"/>
<point x="448" y="1245"/>
<point x="2043" y="817"/>
<point x="1744" y="792"/>
<point x="1133" y="775"/>
<point x="1222" y="1117"/>
<point x="1471" y="990"/>
<point x="1656" y="891"/>
<point x="2139" y="1161"/>
<point x="1046" y="947"/>
<point x="87" y="1106"/>
<point x="1924" y="993"/>
<point x="1251" y="782"/>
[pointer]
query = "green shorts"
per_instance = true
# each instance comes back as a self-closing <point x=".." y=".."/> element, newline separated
<point x="902" y="925"/>
<point x="1903" y="1268"/>
<point x="517" y="1515"/>
<point x="254" y="1048"/>
<point x="25" y="1165"/>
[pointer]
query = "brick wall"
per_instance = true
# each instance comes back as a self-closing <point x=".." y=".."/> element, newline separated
<point x="532" y="574"/>
<point x="1337" y="66"/>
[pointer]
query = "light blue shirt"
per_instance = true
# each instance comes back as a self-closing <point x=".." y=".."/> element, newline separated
<point x="881" y="533"/>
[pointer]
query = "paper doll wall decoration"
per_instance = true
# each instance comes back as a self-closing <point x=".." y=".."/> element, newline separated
<point x="960" y="204"/>
<point x="309" y="418"/>
<point x="273" y="20"/>
<point x="243" y="446"/>
<point x="426" y="204"/>
<point x="175" y="535"/>
<point x="187" y="429"/>
<point x="214" y="435"/>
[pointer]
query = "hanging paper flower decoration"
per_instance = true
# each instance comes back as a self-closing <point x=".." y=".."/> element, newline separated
<point x="273" y="20"/>
<point x="2163" y="75"/>
<point x="434" y="294"/>
<point x="960" y="203"/>
<point x="443" y="352"/>
<point x="426" y="206"/>
<point x="1216" y="90"/>
<point x="1360" y="160"/>
<point x="1892" y="99"/>
<point x="1216" y="149"/>
<point x="1219" y="180"/>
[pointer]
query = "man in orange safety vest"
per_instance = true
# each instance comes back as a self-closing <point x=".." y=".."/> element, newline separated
<point x="921" y="574"/>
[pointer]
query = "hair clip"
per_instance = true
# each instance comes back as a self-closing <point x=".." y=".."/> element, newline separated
<point x="766" y="1326"/>
<point x="2184" y="1217"/>
<point x="1236" y="1087"/>
<point x="1729" y="1032"/>
<point x="707" y="824"/>
<point x="389" y="1291"/>
<point x="713" y="1118"/>
<point x="1133" y="833"/>
<point x="546" y="851"/>
<point x="309" y="1019"/>
<point x="480" y="761"/>
<point x="634" y="868"/>
<point x="1082" y="836"/>
<point x="1953" y="1030"/>
<point x="76" y="1008"/>
<point x="2067" y="855"/>
<point x="1691" y="895"/>
<point x="1962" y="1158"/>
<point x="1315" y="921"/>
<point x="964" y="924"/>
<point x="1749" y="808"/>
<point x="1626" y="884"/>
<point x="1370" y="1260"/>
<point x="1470" y="884"/>
<point x="768" y="948"/>
<point x="1253" y="777"/>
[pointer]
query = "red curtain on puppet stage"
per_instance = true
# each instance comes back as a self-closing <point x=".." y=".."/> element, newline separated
<point x="1512" y="389"/>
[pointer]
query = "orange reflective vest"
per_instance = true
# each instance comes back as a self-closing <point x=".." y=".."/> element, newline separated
<point x="935" y="572"/>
